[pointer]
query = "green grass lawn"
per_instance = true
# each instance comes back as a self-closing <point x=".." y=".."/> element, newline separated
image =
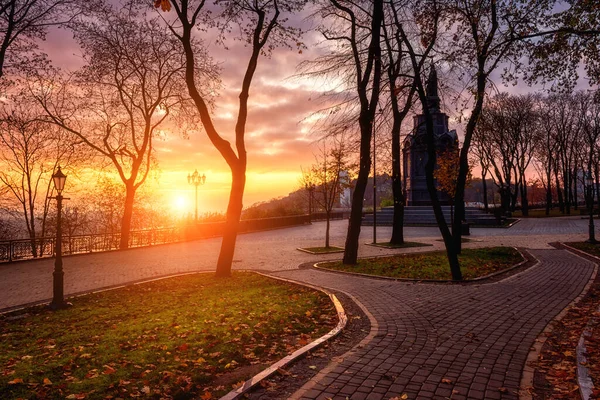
<point x="434" y="265"/>
<point x="593" y="249"/>
<point x="183" y="337"/>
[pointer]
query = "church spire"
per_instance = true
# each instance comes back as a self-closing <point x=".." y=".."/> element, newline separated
<point x="433" y="100"/>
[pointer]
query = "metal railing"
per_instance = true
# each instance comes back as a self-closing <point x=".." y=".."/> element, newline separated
<point x="22" y="249"/>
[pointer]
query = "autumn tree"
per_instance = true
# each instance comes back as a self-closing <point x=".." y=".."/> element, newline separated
<point x="330" y="175"/>
<point x="131" y="87"/>
<point x="446" y="174"/>
<point x="420" y="39"/>
<point x="569" y="40"/>
<point x="262" y="25"/>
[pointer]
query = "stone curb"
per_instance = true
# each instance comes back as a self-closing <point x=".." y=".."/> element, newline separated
<point x="383" y="246"/>
<point x="337" y="360"/>
<point x="439" y="281"/>
<point x="305" y="250"/>
<point x="9" y="310"/>
<point x="256" y="379"/>
<point x="528" y="370"/>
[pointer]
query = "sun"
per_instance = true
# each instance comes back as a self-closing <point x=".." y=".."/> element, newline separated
<point x="180" y="204"/>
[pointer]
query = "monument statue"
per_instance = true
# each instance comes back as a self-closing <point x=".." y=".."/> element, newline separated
<point x="414" y="149"/>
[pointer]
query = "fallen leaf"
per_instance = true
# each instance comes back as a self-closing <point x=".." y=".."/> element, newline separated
<point x="206" y="396"/>
<point x="47" y="381"/>
<point x="446" y="380"/>
<point x="183" y="347"/>
<point x="15" y="381"/>
<point x="109" y="370"/>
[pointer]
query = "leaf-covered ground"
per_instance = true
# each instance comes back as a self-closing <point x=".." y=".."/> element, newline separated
<point x="434" y="265"/>
<point x="186" y="337"/>
<point x="556" y="366"/>
<point x="593" y="249"/>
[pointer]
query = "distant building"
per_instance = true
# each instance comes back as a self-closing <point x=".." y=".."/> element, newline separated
<point x="415" y="147"/>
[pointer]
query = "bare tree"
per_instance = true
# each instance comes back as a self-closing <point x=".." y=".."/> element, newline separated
<point x="505" y="136"/>
<point x="262" y="27"/>
<point x="402" y="88"/>
<point x="330" y="175"/>
<point x="22" y="22"/>
<point x="131" y="86"/>
<point x="30" y="151"/>
<point x="353" y="29"/>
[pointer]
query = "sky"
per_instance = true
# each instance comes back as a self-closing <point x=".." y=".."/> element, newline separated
<point x="278" y="142"/>
<point x="279" y="138"/>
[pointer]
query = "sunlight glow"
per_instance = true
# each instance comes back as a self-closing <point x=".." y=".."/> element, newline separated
<point x="180" y="205"/>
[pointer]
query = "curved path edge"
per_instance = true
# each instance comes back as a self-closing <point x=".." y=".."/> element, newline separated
<point x="343" y="320"/>
<point x="336" y="360"/>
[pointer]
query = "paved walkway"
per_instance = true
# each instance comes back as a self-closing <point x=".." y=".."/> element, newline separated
<point x="448" y="341"/>
<point x="432" y="341"/>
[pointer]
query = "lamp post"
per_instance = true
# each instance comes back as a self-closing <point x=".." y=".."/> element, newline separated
<point x="196" y="180"/>
<point x="310" y="187"/>
<point x="58" y="299"/>
<point x="589" y="184"/>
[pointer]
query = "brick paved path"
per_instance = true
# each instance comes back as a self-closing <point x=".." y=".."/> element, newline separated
<point x="477" y="337"/>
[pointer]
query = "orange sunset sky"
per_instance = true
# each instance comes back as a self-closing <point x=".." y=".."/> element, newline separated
<point x="279" y="134"/>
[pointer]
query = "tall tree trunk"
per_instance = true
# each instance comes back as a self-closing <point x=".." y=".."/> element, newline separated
<point x="524" y="201"/>
<point x="234" y="212"/>
<point x="548" y="191"/>
<point x="398" y="221"/>
<point x="567" y="190"/>
<point x="127" y="215"/>
<point x="451" y="249"/>
<point x="365" y="121"/>
<point x="576" y="202"/>
<point x="561" y="203"/>
<point x="513" y="198"/>
<point x="354" y="224"/>
<point x="485" y="194"/>
<point x="328" y="216"/>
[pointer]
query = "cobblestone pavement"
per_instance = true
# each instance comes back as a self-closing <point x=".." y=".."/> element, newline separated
<point x="447" y="341"/>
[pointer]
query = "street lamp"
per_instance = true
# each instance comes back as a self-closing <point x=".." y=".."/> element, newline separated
<point x="196" y="180"/>
<point x="310" y="187"/>
<point x="58" y="299"/>
<point x="589" y="184"/>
